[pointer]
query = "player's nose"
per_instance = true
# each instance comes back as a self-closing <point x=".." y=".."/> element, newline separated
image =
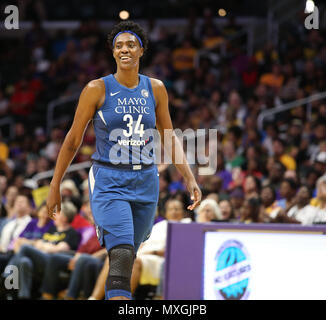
<point x="124" y="49"/>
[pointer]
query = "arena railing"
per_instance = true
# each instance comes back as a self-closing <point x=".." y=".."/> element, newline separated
<point x="72" y="168"/>
<point x="291" y="105"/>
<point x="50" y="121"/>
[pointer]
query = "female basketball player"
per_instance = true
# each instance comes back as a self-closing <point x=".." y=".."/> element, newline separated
<point x="123" y="106"/>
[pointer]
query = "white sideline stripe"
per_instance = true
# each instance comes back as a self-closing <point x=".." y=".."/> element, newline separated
<point x="101" y="115"/>
<point x="91" y="179"/>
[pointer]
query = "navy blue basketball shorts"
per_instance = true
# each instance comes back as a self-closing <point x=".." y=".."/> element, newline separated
<point x="123" y="203"/>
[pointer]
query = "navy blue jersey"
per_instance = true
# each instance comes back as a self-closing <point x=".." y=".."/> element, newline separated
<point x="124" y="123"/>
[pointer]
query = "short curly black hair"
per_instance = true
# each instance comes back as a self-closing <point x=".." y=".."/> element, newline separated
<point x="130" y="26"/>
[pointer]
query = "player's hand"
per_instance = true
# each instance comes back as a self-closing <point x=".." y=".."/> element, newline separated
<point x="195" y="194"/>
<point x="53" y="202"/>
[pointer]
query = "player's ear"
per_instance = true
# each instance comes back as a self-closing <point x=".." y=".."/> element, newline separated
<point x="113" y="51"/>
<point x="141" y="52"/>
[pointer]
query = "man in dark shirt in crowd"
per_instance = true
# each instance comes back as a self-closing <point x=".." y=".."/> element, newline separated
<point x="32" y="259"/>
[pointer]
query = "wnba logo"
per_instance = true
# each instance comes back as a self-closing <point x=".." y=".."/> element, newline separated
<point x="231" y="279"/>
<point x="144" y="93"/>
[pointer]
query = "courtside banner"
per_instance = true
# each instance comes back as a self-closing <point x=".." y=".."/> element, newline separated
<point x="262" y="265"/>
<point x="223" y="261"/>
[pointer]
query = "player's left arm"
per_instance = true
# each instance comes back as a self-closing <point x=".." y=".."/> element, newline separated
<point x="172" y="143"/>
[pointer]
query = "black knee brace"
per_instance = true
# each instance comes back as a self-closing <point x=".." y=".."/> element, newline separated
<point x="121" y="260"/>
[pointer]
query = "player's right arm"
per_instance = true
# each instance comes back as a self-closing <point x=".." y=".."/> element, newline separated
<point x="90" y="99"/>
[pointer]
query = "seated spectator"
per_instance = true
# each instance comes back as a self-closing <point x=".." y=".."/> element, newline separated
<point x="290" y="85"/>
<point x="31" y="259"/>
<point x="251" y="187"/>
<point x="84" y="225"/>
<point x="319" y="188"/>
<point x="236" y="200"/>
<point x="233" y="160"/>
<point x="280" y="154"/>
<point x="250" y="211"/>
<point x="275" y="173"/>
<point x="320" y="162"/>
<point x="4" y="150"/>
<point x="14" y="228"/>
<point x="291" y="174"/>
<point x="310" y="180"/>
<point x="287" y="192"/>
<point x="233" y="111"/>
<point x="321" y="200"/>
<point x="9" y="200"/>
<point x="224" y="174"/>
<point x="183" y="57"/>
<point x="269" y="208"/>
<point x="302" y="211"/>
<point x="270" y="211"/>
<point x="84" y="266"/>
<point x="273" y="79"/>
<point x="208" y="211"/>
<point x="250" y="75"/>
<point x="68" y="188"/>
<point x="22" y="102"/>
<point x="35" y="229"/>
<point x="213" y="184"/>
<point x="226" y="210"/>
<point x="270" y="134"/>
<point x="211" y="39"/>
<point x="238" y="177"/>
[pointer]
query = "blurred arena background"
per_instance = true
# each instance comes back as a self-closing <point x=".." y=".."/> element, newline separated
<point x="250" y="69"/>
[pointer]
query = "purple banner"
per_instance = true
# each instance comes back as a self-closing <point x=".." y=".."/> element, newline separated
<point x="185" y="250"/>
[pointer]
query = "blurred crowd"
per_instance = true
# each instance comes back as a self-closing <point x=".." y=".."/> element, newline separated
<point x="269" y="174"/>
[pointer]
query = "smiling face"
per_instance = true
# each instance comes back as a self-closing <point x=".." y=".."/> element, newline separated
<point x="127" y="51"/>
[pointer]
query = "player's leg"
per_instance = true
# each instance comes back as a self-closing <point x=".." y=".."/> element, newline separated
<point x="115" y="231"/>
<point x="118" y="238"/>
<point x="143" y="218"/>
<point x="144" y="206"/>
<point x="121" y="259"/>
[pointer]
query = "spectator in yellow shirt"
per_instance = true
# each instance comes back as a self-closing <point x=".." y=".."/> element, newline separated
<point x="321" y="192"/>
<point x="183" y="57"/>
<point x="4" y="151"/>
<point x="273" y="79"/>
<point x="279" y="154"/>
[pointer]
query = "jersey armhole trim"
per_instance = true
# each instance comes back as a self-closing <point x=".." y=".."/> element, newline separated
<point x="106" y="89"/>
<point x="151" y="91"/>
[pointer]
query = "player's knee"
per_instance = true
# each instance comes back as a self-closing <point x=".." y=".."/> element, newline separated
<point x="121" y="259"/>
